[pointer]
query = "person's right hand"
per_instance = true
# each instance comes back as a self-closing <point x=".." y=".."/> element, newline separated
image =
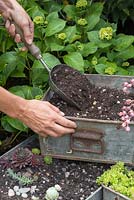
<point x="17" y="16"/>
<point x="46" y="119"/>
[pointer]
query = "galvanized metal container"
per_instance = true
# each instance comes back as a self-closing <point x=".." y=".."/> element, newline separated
<point x="94" y="140"/>
<point x="105" y="193"/>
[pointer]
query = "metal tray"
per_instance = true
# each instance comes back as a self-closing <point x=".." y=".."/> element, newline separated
<point x="105" y="193"/>
<point x="94" y="140"/>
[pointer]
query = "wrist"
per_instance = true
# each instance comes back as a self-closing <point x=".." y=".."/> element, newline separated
<point x="19" y="107"/>
<point x="11" y="104"/>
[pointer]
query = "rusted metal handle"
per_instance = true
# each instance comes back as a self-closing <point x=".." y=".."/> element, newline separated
<point x="85" y="141"/>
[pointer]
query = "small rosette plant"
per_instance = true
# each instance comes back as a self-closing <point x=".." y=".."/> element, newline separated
<point x="127" y="112"/>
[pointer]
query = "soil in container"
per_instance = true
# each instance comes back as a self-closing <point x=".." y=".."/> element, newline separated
<point x="95" y="102"/>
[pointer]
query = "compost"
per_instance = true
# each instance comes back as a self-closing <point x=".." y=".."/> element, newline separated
<point x="95" y="102"/>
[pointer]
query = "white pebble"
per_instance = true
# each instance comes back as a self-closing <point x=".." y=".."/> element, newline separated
<point x="67" y="174"/>
<point x="24" y="190"/>
<point x="94" y="103"/>
<point x="24" y="195"/>
<point x="18" y="193"/>
<point x="16" y="188"/>
<point x="34" y="198"/>
<point x="11" y="193"/>
<point x="57" y="187"/>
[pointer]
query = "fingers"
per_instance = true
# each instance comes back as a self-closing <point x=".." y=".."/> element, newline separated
<point x="28" y="30"/>
<point x="11" y="29"/>
<point x="55" y="131"/>
<point x="65" y="122"/>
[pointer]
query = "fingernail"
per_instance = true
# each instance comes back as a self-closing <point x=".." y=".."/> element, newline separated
<point x="62" y="113"/>
<point x="29" y="41"/>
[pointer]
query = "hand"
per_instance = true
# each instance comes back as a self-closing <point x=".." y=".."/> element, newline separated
<point x="44" y="118"/>
<point x="19" y="16"/>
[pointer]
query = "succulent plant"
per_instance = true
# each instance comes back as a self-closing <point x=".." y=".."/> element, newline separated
<point x="21" y="158"/>
<point x="52" y="194"/>
<point x="22" y="179"/>
<point x="48" y="160"/>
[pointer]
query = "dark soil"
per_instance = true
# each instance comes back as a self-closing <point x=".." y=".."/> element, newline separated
<point x="95" y="102"/>
<point x="77" y="179"/>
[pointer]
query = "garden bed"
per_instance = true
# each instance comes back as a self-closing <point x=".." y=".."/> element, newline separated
<point x="77" y="179"/>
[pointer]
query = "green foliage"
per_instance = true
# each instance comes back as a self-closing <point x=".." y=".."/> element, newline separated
<point x="119" y="178"/>
<point x="48" y="160"/>
<point x="23" y="180"/>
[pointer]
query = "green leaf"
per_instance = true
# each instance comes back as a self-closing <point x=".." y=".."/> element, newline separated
<point x="95" y="11"/>
<point x="74" y="60"/>
<point x="89" y="48"/>
<point x="36" y="11"/>
<point x="39" y="75"/>
<point x="126" y="54"/>
<point x="121" y="71"/>
<point x="123" y="41"/>
<point x="131" y="70"/>
<point x="72" y="34"/>
<point x="25" y="91"/>
<point x="15" y="123"/>
<point x="55" y="24"/>
<point x="100" y="68"/>
<point x="70" y="10"/>
<point x="7" y="58"/>
<point x="50" y="60"/>
<point x="54" y="44"/>
<point x="93" y="36"/>
<point x="7" y="126"/>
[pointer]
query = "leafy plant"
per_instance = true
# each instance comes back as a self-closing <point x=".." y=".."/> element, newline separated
<point x="119" y="178"/>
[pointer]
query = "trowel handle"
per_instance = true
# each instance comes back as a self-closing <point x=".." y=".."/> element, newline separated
<point x="34" y="50"/>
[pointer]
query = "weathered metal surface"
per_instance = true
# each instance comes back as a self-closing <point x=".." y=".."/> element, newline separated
<point x="97" y="195"/>
<point x="105" y="193"/>
<point x="94" y="140"/>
